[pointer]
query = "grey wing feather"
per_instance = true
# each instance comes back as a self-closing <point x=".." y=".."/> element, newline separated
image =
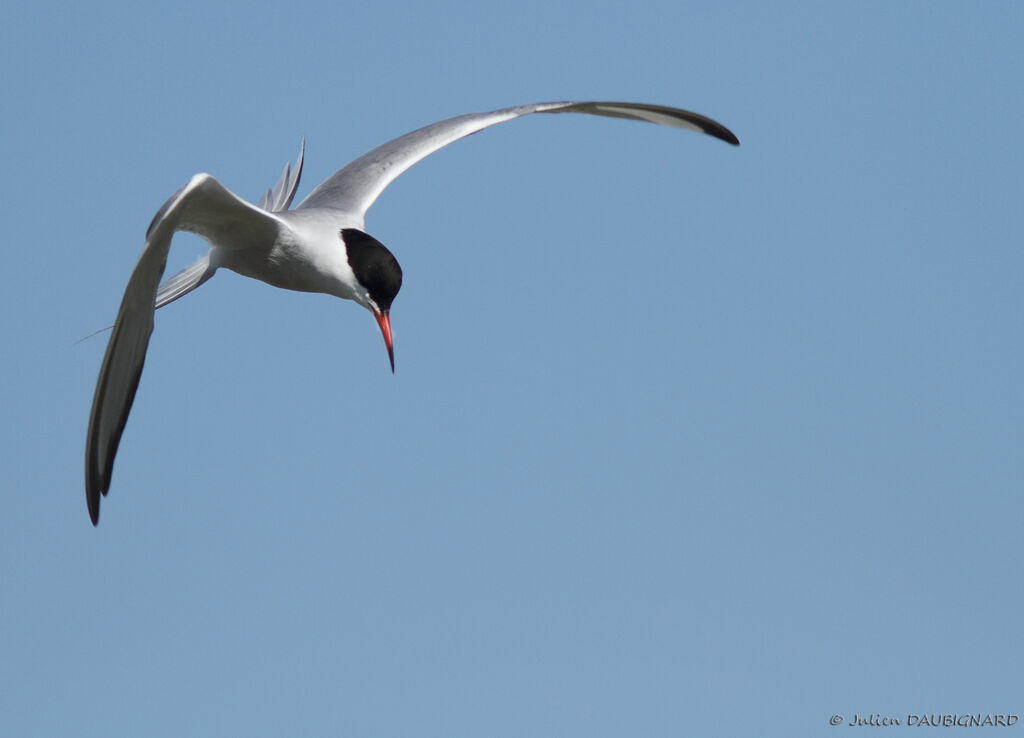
<point x="202" y="206"/>
<point x="354" y="188"/>
<point x="184" y="281"/>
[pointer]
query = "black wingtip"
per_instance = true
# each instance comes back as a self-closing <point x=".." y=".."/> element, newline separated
<point x="713" y="128"/>
<point x="729" y="137"/>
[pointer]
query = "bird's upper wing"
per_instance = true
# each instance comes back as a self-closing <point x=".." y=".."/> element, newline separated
<point x="354" y="188"/>
<point x="203" y="206"/>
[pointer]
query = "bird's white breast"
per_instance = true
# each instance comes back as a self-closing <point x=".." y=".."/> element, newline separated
<point x="307" y="256"/>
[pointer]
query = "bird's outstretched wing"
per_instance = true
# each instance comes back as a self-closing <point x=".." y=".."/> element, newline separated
<point x="203" y="206"/>
<point x="352" y="189"/>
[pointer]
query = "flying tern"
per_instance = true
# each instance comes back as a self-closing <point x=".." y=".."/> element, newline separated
<point x="319" y="246"/>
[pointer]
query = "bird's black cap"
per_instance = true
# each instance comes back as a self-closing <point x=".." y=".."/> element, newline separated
<point x="375" y="267"/>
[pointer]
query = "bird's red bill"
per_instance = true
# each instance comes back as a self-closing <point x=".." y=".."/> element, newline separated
<point x="385" y="328"/>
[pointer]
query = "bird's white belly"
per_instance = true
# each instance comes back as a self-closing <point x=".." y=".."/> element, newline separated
<point x="292" y="264"/>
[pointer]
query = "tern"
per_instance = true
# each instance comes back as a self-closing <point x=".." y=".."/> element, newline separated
<point x="319" y="246"/>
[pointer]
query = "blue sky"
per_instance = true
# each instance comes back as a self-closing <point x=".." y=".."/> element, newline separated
<point x="683" y="439"/>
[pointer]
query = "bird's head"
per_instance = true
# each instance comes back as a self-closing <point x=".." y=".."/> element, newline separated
<point x="378" y="273"/>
